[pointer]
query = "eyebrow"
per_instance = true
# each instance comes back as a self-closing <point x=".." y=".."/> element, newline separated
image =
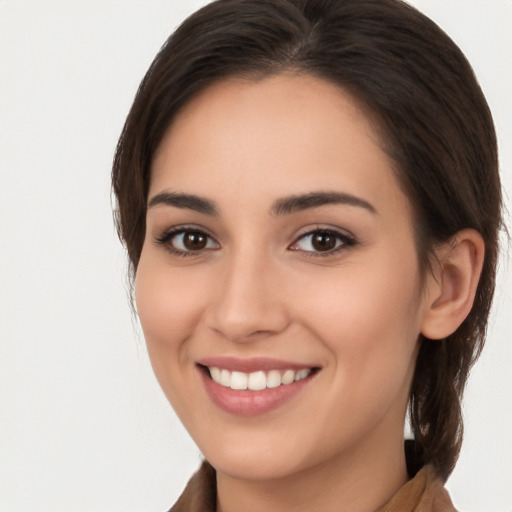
<point x="188" y="201"/>
<point x="283" y="206"/>
<point x="297" y="203"/>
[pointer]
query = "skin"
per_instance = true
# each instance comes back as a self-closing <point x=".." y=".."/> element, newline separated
<point x="259" y="289"/>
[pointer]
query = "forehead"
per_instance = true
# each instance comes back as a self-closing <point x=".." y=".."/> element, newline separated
<point x="286" y="134"/>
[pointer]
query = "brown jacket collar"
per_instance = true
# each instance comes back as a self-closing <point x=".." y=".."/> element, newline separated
<point x="423" y="493"/>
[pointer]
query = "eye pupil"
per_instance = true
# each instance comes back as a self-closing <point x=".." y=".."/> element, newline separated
<point x="194" y="241"/>
<point x="323" y="241"/>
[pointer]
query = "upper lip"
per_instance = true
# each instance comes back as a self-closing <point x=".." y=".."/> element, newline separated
<point x="251" y="365"/>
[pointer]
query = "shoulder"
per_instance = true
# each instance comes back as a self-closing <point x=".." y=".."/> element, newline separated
<point x="200" y="494"/>
<point x="425" y="492"/>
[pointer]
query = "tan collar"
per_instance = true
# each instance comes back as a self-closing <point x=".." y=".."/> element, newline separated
<point x="423" y="493"/>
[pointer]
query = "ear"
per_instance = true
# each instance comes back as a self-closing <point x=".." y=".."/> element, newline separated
<point x="452" y="284"/>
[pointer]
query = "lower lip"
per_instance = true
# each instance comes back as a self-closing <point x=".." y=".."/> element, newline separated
<point x="251" y="403"/>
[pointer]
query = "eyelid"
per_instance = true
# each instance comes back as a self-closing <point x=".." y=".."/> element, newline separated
<point x="166" y="237"/>
<point x="347" y="241"/>
<point x="346" y="238"/>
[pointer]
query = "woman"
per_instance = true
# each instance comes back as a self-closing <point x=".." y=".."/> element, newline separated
<point x="309" y="196"/>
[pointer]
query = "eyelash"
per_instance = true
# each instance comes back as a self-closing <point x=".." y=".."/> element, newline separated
<point x="343" y="241"/>
<point x="165" y="239"/>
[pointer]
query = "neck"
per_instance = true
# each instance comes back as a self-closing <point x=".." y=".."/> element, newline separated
<point x="358" y="482"/>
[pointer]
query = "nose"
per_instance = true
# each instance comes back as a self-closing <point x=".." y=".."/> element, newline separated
<point x="250" y="302"/>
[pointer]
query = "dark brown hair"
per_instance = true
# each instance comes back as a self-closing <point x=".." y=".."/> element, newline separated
<point x="431" y="113"/>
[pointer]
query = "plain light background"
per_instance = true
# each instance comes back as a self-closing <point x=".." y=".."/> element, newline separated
<point x="83" y="423"/>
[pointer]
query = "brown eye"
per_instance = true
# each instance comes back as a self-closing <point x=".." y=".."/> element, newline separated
<point x="194" y="241"/>
<point x="323" y="241"/>
<point x="185" y="242"/>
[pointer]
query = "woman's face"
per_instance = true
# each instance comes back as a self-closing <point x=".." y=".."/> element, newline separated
<point x="280" y="256"/>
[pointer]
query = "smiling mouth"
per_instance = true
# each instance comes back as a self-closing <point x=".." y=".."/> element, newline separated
<point x="257" y="380"/>
<point x="250" y="387"/>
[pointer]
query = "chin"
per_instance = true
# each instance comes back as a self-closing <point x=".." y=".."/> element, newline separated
<point x="246" y="466"/>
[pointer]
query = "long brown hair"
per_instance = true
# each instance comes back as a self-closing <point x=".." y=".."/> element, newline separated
<point x="434" y="122"/>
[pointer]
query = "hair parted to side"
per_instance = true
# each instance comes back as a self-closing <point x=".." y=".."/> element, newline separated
<point x="430" y="111"/>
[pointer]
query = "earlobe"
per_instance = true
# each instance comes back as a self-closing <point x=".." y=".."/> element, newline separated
<point x="452" y="286"/>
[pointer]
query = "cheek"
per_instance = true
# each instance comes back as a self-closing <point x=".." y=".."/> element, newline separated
<point x="168" y="302"/>
<point x="368" y="316"/>
<point x="368" y="321"/>
<point x="169" y="308"/>
<point x="169" y="305"/>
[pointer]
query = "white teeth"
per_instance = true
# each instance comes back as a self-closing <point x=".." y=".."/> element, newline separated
<point x="302" y="374"/>
<point x="288" y="377"/>
<point x="238" y="380"/>
<point x="215" y="373"/>
<point x="258" y="380"/>
<point x="273" y="379"/>
<point x="225" y="378"/>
